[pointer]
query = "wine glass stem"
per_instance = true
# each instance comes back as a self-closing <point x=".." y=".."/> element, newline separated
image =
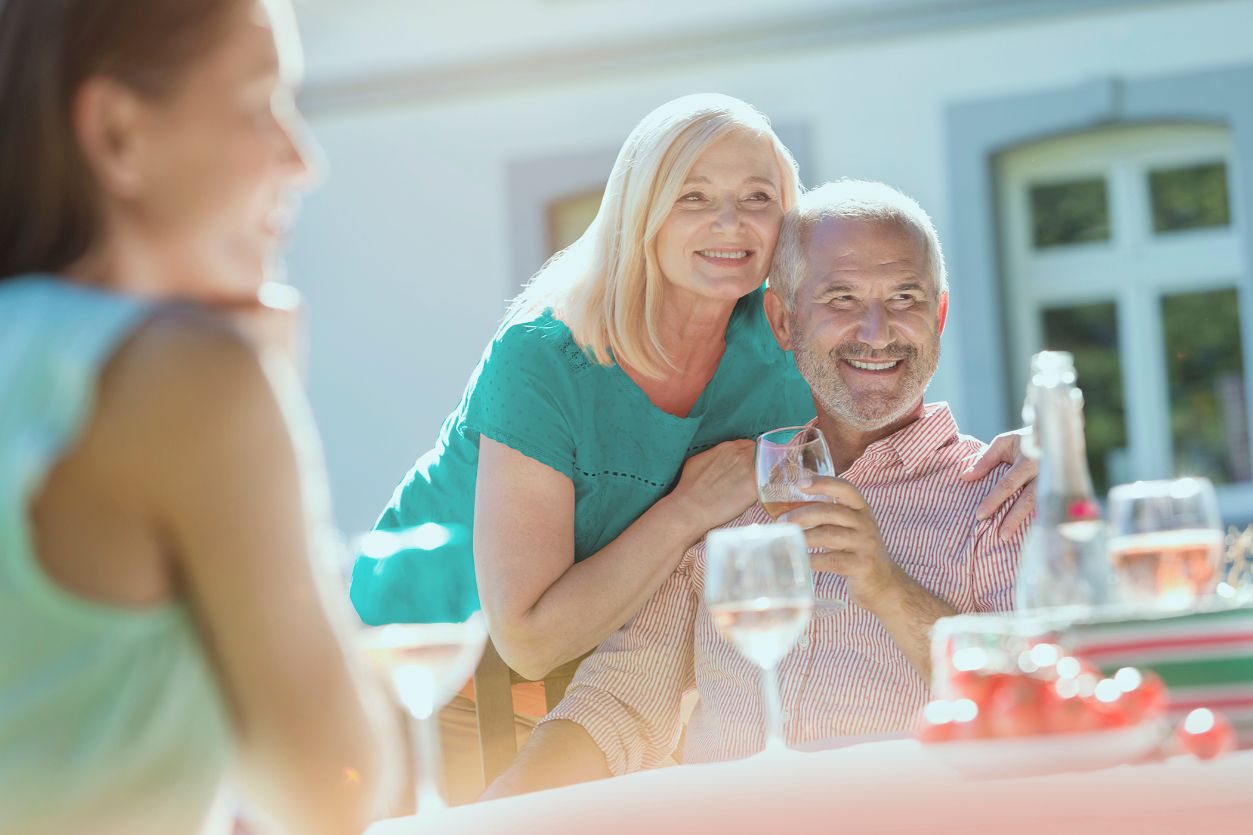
<point x="429" y="764"/>
<point x="770" y="700"/>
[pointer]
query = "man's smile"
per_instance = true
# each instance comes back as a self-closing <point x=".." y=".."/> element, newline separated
<point x="882" y="367"/>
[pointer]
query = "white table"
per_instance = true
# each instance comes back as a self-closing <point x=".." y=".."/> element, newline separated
<point x="884" y="787"/>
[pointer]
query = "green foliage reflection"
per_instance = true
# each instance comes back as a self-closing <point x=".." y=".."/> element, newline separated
<point x="1070" y="213"/>
<point x="1205" y="371"/>
<point x="1090" y="332"/>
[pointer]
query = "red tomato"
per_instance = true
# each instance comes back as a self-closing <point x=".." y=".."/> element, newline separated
<point x="1072" y="666"/>
<point x="1070" y="714"/>
<point x="942" y="720"/>
<point x="977" y="686"/>
<point x="976" y="728"/>
<point x="1107" y="715"/>
<point x="1145" y="701"/>
<point x="1041" y="660"/>
<point x="1206" y="734"/>
<point x="1018" y="707"/>
<point x="930" y="732"/>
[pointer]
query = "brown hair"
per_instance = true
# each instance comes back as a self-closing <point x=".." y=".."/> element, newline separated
<point x="48" y="49"/>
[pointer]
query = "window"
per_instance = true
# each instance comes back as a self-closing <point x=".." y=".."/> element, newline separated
<point x="569" y="217"/>
<point x="1070" y="212"/>
<point x="1118" y="246"/>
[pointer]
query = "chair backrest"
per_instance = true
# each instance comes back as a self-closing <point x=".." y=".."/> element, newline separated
<point x="493" y="705"/>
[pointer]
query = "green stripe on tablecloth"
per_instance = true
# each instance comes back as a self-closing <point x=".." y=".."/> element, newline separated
<point x="1220" y="621"/>
<point x="1200" y="673"/>
<point x="1113" y="659"/>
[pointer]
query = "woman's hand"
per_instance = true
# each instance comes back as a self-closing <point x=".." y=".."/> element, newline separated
<point x="1006" y="448"/>
<point x="719" y="483"/>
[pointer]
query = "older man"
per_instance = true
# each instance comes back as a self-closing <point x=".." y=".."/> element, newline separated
<point x="859" y="295"/>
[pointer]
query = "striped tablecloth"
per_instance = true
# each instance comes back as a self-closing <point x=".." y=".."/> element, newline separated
<point x="1205" y="658"/>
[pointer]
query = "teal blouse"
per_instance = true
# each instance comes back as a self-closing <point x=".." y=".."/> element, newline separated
<point x="535" y="390"/>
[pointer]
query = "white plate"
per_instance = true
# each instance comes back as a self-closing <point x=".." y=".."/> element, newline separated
<point x="985" y="759"/>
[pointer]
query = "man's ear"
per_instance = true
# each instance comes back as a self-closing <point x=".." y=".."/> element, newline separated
<point x="779" y="318"/>
<point x="942" y="312"/>
<point x="108" y="123"/>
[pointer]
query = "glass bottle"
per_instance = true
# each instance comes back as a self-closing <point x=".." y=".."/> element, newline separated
<point x="1064" y="560"/>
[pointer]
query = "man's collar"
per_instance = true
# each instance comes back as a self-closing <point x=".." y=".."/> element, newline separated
<point x="914" y="445"/>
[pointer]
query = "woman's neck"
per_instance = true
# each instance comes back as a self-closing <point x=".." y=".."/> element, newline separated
<point x="693" y="332"/>
<point x="116" y="265"/>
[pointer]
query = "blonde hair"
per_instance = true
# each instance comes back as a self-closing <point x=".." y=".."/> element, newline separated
<point x="607" y="285"/>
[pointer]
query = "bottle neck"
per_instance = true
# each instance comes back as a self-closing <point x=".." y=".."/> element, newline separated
<point x="1065" y="485"/>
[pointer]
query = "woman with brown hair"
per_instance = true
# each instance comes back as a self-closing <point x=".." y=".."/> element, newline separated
<point x="160" y="498"/>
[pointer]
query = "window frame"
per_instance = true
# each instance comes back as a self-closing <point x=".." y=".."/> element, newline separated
<point x="1135" y="268"/>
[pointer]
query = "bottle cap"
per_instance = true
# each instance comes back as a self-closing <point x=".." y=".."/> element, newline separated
<point x="1053" y="368"/>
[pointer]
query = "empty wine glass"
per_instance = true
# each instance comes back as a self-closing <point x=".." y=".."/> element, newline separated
<point x="786" y="460"/>
<point x="759" y="592"/>
<point x="426" y="663"/>
<point x="1166" y="540"/>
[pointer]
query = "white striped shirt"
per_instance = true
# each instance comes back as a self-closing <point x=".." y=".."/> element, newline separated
<point x="845" y="676"/>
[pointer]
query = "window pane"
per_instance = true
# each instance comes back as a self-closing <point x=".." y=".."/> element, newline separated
<point x="1208" y="420"/>
<point x="1070" y="213"/>
<point x="1189" y="198"/>
<point x="1090" y="332"/>
<point x="570" y="216"/>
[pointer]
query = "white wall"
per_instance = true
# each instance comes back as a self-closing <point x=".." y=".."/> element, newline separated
<point x="404" y="255"/>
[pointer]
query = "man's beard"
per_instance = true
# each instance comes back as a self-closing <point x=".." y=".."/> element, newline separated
<point x="873" y="410"/>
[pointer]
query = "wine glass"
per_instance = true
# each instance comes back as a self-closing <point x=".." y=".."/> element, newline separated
<point x="425" y="663"/>
<point x="786" y="460"/>
<point x="759" y="592"/>
<point x="1166" y="541"/>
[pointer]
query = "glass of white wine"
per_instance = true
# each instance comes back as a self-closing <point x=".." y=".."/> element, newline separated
<point x="425" y="663"/>
<point x="786" y="460"/>
<point x="759" y="592"/>
<point x="1166" y="541"/>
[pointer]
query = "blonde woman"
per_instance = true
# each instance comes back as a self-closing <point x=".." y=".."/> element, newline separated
<point x="609" y="424"/>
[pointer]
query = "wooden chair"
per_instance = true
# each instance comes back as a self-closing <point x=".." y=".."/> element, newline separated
<point x="493" y="704"/>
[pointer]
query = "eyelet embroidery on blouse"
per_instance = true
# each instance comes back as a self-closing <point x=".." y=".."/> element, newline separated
<point x="620" y="474"/>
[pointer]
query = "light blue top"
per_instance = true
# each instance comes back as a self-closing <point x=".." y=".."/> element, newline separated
<point x="110" y="717"/>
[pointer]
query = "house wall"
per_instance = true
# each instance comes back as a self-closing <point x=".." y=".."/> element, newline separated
<point x="408" y="253"/>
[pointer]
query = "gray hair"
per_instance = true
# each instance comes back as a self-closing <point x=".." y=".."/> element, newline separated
<point x="853" y="199"/>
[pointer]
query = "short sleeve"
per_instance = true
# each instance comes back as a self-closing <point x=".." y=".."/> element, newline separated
<point x="524" y="393"/>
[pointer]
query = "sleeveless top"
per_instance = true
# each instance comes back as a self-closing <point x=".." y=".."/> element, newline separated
<point x="110" y="717"/>
<point x="537" y="391"/>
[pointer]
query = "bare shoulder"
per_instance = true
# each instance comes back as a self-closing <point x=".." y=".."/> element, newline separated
<point x="180" y="394"/>
<point x="185" y="381"/>
<point x="180" y="352"/>
<point x="183" y="363"/>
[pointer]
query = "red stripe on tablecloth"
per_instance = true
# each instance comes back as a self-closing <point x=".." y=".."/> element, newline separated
<point x="1216" y="703"/>
<point x="1167" y="643"/>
